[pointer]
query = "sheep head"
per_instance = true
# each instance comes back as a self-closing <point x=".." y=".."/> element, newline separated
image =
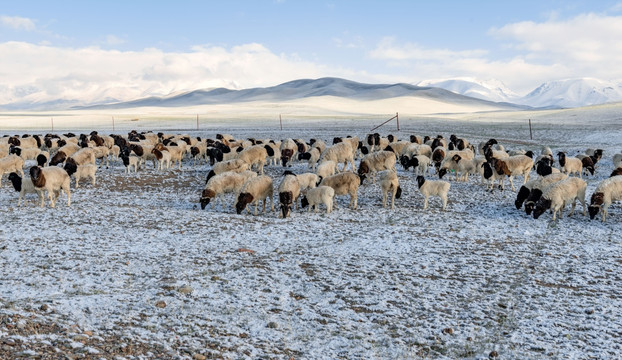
<point x="456" y="158"/>
<point x="522" y="195"/>
<point x="562" y="158"/>
<point x="404" y="160"/>
<point x="70" y="166"/>
<point x="41" y="160"/>
<point x="398" y="193"/>
<point x="285" y="198"/>
<point x="304" y="202"/>
<point x="595" y="203"/>
<point x="530" y="204"/>
<point x="243" y="200"/>
<point x="36" y="175"/>
<point x="16" y="181"/>
<point x="441" y="173"/>
<point x="58" y="158"/>
<point x="541" y="206"/>
<point x="420" y="181"/>
<point x="206" y="196"/>
<point x="210" y="175"/>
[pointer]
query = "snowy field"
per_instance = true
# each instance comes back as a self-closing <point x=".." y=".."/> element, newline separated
<point x="135" y="270"/>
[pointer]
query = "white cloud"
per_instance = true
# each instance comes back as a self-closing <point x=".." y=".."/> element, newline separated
<point x="17" y="23"/>
<point x="114" y="40"/>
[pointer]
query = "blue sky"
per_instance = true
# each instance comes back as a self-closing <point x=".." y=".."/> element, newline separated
<point x="124" y="49"/>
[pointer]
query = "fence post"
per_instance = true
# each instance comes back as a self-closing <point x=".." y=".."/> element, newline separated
<point x="397" y="118"/>
<point x="530" y="132"/>
<point x="197" y="121"/>
<point x="113" y="123"/>
<point x="52" y="119"/>
<point x="281" y="122"/>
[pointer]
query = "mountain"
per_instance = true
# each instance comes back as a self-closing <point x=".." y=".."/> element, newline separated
<point x="304" y="88"/>
<point x="491" y="90"/>
<point x="573" y="93"/>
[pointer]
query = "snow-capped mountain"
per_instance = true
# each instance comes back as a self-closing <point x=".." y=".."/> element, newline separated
<point x="491" y="90"/>
<point x="573" y="93"/>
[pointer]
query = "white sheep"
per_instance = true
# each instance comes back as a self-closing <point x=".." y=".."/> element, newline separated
<point x="462" y="167"/>
<point x="339" y="153"/>
<point x="570" y="165"/>
<point x="374" y="162"/>
<point x="607" y="191"/>
<point x="254" y="190"/>
<point x="433" y="187"/>
<point x="83" y="156"/>
<point x="224" y="183"/>
<point x="52" y="179"/>
<point x="512" y="166"/>
<point x="557" y="195"/>
<point x="254" y="155"/>
<point x="319" y="144"/>
<point x="11" y="163"/>
<point x="289" y="191"/>
<point x="345" y="183"/>
<point x="319" y="195"/>
<point x="235" y="165"/>
<point x="326" y="169"/>
<point x="85" y="172"/>
<point x="312" y="156"/>
<point x="308" y="181"/>
<point x="23" y="186"/>
<point x="389" y="183"/>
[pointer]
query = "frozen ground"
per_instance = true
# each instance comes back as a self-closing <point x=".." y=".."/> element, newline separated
<point x="134" y="268"/>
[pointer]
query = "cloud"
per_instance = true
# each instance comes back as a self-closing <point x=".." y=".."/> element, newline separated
<point x="17" y="23"/>
<point x="114" y="40"/>
<point x="39" y="73"/>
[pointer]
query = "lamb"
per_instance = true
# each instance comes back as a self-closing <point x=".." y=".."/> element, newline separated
<point x="433" y="187"/>
<point x="607" y="191"/>
<point x="52" y="179"/>
<point x="569" y="165"/>
<point x="389" y="183"/>
<point x="11" y="163"/>
<point x="374" y="162"/>
<point x="420" y="163"/>
<point x="236" y="165"/>
<point x="23" y="186"/>
<point x="312" y="157"/>
<point x="319" y="195"/>
<point x="254" y="155"/>
<point x="346" y="183"/>
<point x="254" y="190"/>
<point x="512" y="166"/>
<point x="326" y="168"/>
<point x="307" y="181"/>
<point x="492" y="175"/>
<point x="223" y="183"/>
<point x="587" y="162"/>
<point x="531" y="191"/>
<point x="80" y="172"/>
<point x="557" y="195"/>
<point x="339" y="153"/>
<point x="130" y="161"/>
<point x="163" y="158"/>
<point x="289" y="191"/>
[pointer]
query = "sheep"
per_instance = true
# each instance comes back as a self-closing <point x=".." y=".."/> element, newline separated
<point x="312" y="157"/>
<point x="354" y="143"/>
<point x="512" y="166"/>
<point x="326" y="168"/>
<point x="546" y="151"/>
<point x="595" y="154"/>
<point x="102" y="152"/>
<point x="531" y="191"/>
<point x="544" y="168"/>
<point x="177" y="153"/>
<point x="438" y="155"/>
<point x="163" y="158"/>
<point x="52" y="179"/>
<point x="339" y="153"/>
<point x="557" y="195"/>
<point x="288" y="150"/>
<point x="569" y="165"/>
<point x="254" y="190"/>
<point x="236" y="165"/>
<point x="289" y="191"/>
<point x="274" y="152"/>
<point x="588" y="163"/>
<point x="42" y="158"/>
<point x="130" y="161"/>
<point x="461" y="167"/>
<point x="420" y="163"/>
<point x="389" y="183"/>
<point x="307" y="181"/>
<point x="254" y="155"/>
<point x="11" y="163"/>
<point x="25" y="153"/>
<point x="607" y="191"/>
<point x="345" y="183"/>
<point x="417" y="149"/>
<point x="374" y="162"/>
<point x="63" y="153"/>
<point x="433" y="187"/>
<point x="86" y="171"/>
<point x="223" y="183"/>
<point x="198" y="152"/>
<point x="319" y="195"/>
<point x="82" y="157"/>
<point x="23" y="186"/>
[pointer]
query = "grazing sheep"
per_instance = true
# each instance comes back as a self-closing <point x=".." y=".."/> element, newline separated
<point x="374" y="162"/>
<point x="11" y="163"/>
<point x="491" y="175"/>
<point x="420" y="163"/>
<point x="289" y="191"/>
<point x="307" y="181"/>
<point x="235" y="165"/>
<point x="544" y="166"/>
<point x="588" y="163"/>
<point x="82" y="157"/>
<point x="531" y="191"/>
<point x="224" y="183"/>
<point x="569" y="165"/>
<point x="198" y="153"/>
<point x="23" y="186"/>
<point x="52" y="179"/>
<point x="433" y="187"/>
<point x="288" y="150"/>
<point x="345" y="183"/>
<point x="557" y="195"/>
<point x="438" y="155"/>
<point x="312" y="157"/>
<point x="607" y="191"/>
<point x="326" y="168"/>
<point x="389" y="183"/>
<point x="254" y="155"/>
<point x="163" y="158"/>
<point x="512" y="166"/>
<point x="462" y="167"/>
<point x="319" y="195"/>
<point x="254" y="190"/>
<point x="339" y="153"/>
<point x="63" y="153"/>
<point x="83" y="172"/>
<point x="595" y="154"/>
<point x="319" y="144"/>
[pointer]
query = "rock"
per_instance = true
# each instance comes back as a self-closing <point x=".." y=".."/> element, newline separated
<point x="493" y="354"/>
<point x="272" y="325"/>
<point x="44" y="307"/>
<point x="448" y="331"/>
<point x="186" y="289"/>
<point x="161" y="304"/>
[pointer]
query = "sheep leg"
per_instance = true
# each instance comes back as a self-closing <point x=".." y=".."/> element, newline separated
<point x="393" y="201"/>
<point x="511" y="178"/>
<point x="93" y="180"/>
<point x="329" y="206"/>
<point x="425" y="203"/>
<point x="384" y="198"/>
<point x="444" y="198"/>
<point x="77" y="181"/>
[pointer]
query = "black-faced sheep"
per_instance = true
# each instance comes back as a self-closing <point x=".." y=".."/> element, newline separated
<point x="429" y="188"/>
<point x="530" y="192"/>
<point x="163" y="159"/>
<point x="312" y="156"/>
<point x="512" y="166"/>
<point x="346" y="183"/>
<point x="557" y="195"/>
<point x="23" y="186"/>
<point x="288" y="150"/>
<point x="235" y="165"/>
<point x="130" y="161"/>
<point x="389" y="184"/>
<point x="569" y="165"/>
<point x="289" y="191"/>
<point x="319" y="195"/>
<point x="52" y="179"/>
<point x="326" y="168"/>
<point x="254" y="190"/>
<point x="339" y="153"/>
<point x="63" y="153"/>
<point x="607" y="191"/>
<point x="224" y="183"/>
<point x="374" y="162"/>
<point x="255" y="156"/>
<point x="461" y="167"/>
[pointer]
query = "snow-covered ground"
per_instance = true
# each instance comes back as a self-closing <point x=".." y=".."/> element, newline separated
<point x="134" y="267"/>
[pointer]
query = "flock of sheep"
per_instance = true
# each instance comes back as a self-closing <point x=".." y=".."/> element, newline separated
<point x="237" y="166"/>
